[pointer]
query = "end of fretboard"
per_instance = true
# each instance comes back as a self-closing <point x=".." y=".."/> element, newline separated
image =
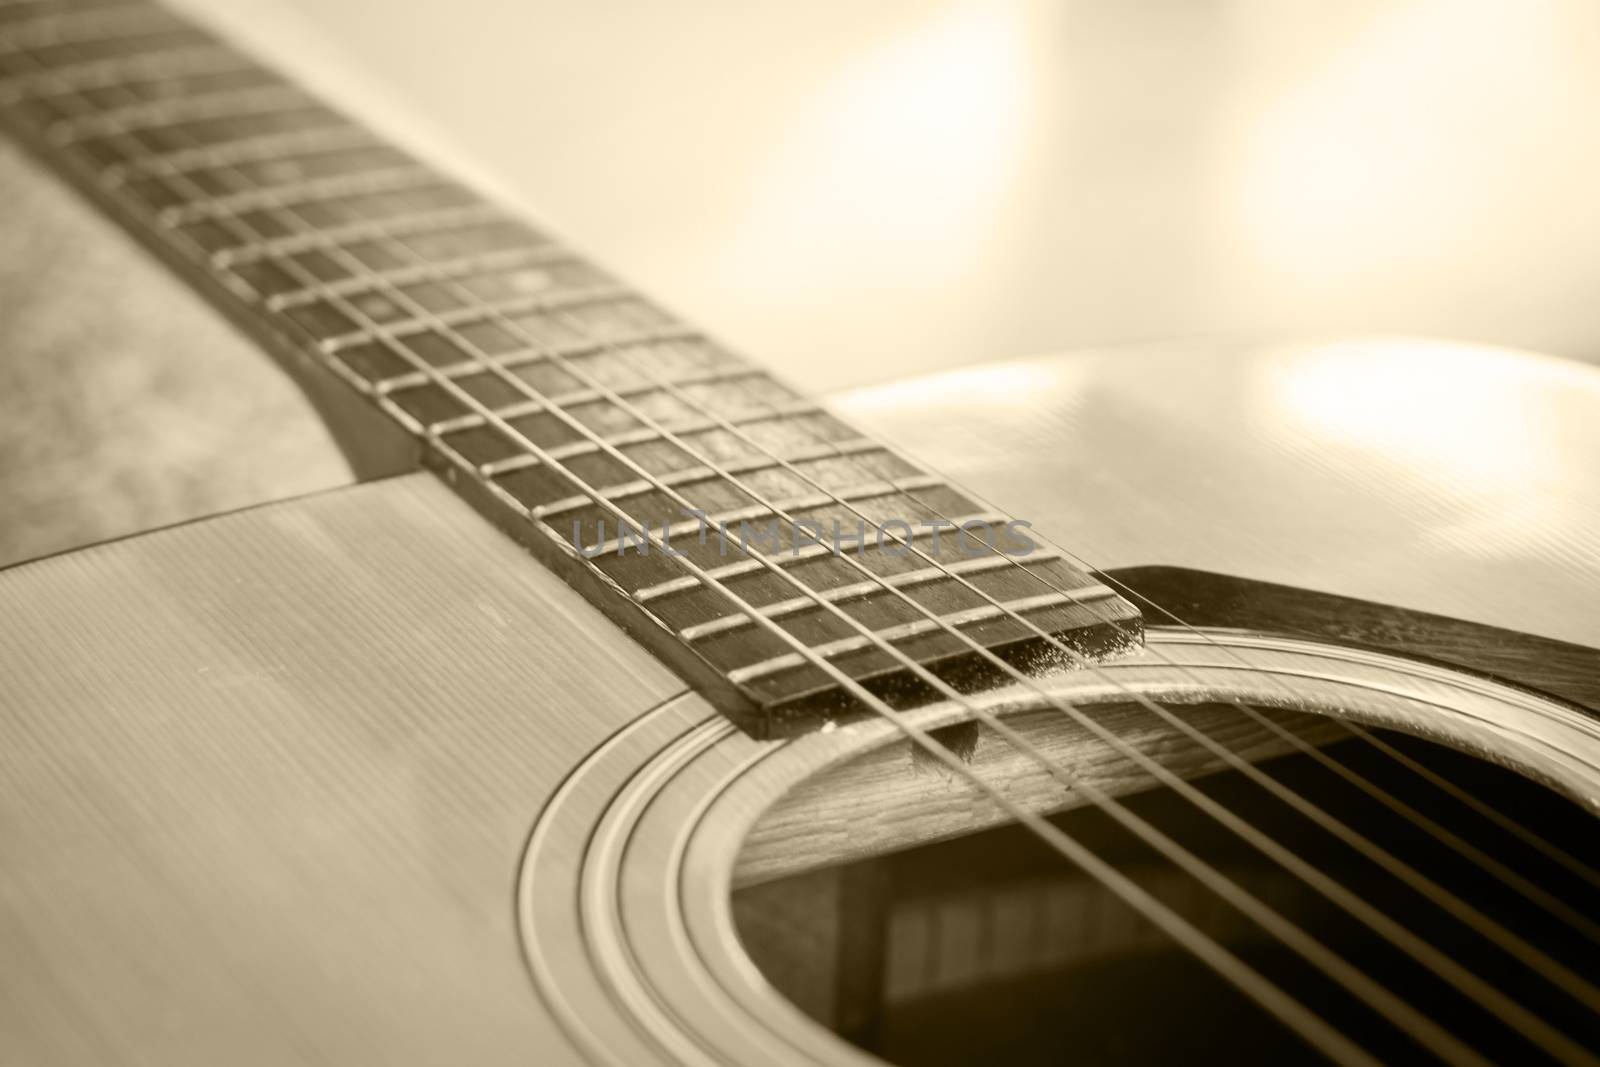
<point x="1115" y="629"/>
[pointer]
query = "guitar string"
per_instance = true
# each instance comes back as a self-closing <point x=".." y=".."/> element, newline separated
<point x="1523" y="886"/>
<point x="541" y="399"/>
<point x="1531" y="892"/>
<point x="1294" y="1014"/>
<point x="1039" y="576"/>
<point x="1168" y="922"/>
<point x="1519" y="1019"/>
<point x="1488" y="863"/>
<point x="1443" y="784"/>
<point x="1418" y="949"/>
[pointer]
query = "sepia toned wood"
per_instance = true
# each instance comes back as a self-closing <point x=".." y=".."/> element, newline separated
<point x="265" y="781"/>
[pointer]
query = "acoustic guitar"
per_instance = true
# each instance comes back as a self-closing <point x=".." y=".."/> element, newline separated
<point x="635" y="709"/>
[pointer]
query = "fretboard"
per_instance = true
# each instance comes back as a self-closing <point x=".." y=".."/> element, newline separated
<point x="696" y="499"/>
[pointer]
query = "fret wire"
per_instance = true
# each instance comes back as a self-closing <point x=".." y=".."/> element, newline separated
<point x="780" y="568"/>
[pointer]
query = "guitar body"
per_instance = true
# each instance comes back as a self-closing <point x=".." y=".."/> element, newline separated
<point x="1299" y="741"/>
<point x="270" y="778"/>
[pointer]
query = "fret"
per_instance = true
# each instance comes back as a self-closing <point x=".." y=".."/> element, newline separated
<point x="548" y="392"/>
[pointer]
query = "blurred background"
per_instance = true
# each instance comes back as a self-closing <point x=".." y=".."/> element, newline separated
<point x="858" y="192"/>
<point x="855" y="191"/>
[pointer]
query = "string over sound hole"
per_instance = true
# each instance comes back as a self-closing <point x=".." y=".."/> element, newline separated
<point x="1426" y="905"/>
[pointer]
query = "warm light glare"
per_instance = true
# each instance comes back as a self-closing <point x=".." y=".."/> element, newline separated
<point x="1481" y="431"/>
<point x="910" y="150"/>
<point x="1398" y="153"/>
<point x="1016" y="385"/>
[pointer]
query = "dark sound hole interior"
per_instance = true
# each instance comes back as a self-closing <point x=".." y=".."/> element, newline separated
<point x="990" y="948"/>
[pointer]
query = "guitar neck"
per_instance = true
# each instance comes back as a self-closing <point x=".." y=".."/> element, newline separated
<point x="658" y="472"/>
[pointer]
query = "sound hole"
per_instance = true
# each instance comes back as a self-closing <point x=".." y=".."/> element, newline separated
<point x="989" y="947"/>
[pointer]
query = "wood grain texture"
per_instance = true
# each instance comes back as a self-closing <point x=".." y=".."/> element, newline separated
<point x="265" y="780"/>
